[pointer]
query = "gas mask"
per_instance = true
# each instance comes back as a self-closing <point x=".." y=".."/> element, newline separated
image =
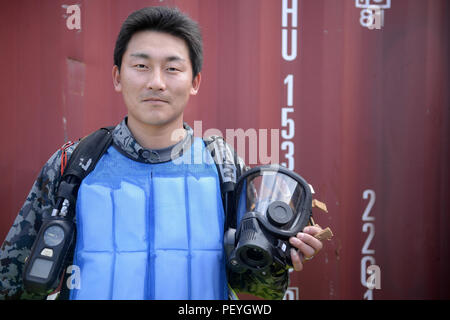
<point x="271" y="204"/>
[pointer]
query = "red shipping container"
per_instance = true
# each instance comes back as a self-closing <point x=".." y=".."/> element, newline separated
<point x="357" y="97"/>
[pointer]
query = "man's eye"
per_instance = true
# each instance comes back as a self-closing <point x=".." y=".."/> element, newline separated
<point x="172" y="69"/>
<point x="141" y="66"/>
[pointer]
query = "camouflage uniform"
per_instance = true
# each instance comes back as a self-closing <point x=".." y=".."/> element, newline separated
<point x="21" y="236"/>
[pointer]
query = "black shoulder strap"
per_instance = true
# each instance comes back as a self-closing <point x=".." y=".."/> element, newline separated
<point x="87" y="153"/>
<point x="227" y="164"/>
<point x="82" y="161"/>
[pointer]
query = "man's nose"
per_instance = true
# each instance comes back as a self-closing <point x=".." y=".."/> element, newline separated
<point x="156" y="81"/>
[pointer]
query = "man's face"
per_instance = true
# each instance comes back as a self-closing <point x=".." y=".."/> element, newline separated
<point x="155" y="78"/>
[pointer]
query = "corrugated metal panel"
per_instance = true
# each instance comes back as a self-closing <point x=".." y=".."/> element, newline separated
<point x="371" y="113"/>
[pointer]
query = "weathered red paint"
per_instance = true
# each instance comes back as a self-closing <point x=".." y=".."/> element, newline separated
<point x="371" y="111"/>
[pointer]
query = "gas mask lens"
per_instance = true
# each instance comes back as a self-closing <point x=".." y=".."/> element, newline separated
<point x="273" y="204"/>
<point x="271" y="194"/>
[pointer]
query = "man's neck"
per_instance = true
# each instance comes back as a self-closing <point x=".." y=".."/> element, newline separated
<point x="157" y="137"/>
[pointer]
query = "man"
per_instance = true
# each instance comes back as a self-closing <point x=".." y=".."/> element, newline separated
<point x="148" y="227"/>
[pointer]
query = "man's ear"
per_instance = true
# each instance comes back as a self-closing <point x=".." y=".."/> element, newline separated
<point x="196" y="84"/>
<point x="116" y="79"/>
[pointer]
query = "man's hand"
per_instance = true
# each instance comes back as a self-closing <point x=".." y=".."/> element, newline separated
<point x="307" y="246"/>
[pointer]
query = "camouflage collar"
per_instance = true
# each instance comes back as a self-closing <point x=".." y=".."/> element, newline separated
<point x="126" y="144"/>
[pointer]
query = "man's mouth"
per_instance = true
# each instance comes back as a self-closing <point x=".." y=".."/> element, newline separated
<point x="154" y="99"/>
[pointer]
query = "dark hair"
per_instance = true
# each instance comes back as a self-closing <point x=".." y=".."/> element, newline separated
<point x="163" y="19"/>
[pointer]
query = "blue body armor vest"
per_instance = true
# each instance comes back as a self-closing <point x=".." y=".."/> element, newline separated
<point x="151" y="231"/>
